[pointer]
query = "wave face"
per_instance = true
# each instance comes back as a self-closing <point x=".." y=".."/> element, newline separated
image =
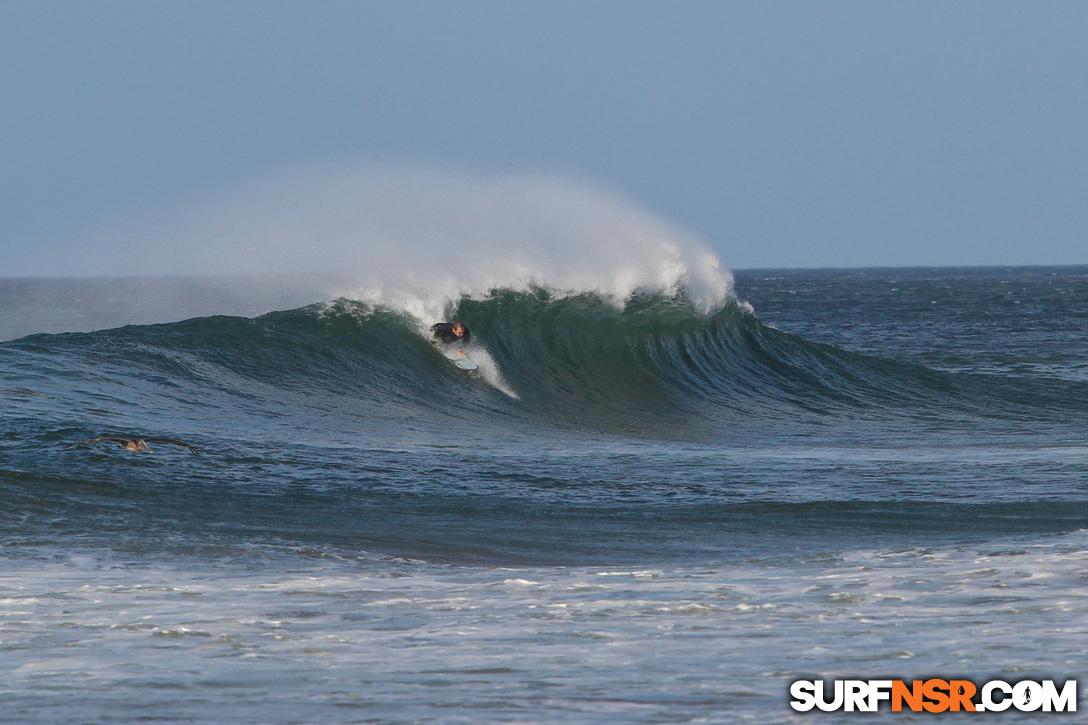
<point x="655" y="367"/>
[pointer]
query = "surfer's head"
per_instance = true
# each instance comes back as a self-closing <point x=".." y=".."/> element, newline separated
<point x="458" y="328"/>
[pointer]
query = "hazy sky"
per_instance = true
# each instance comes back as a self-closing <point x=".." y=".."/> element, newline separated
<point x="787" y="134"/>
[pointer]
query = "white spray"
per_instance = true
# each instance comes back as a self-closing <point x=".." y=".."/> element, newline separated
<point x="417" y="240"/>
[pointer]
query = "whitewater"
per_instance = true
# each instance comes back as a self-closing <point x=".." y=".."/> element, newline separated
<point x="671" y="491"/>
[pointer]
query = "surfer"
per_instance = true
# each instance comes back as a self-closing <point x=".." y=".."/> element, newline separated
<point x="450" y="332"/>
<point x="136" y="444"/>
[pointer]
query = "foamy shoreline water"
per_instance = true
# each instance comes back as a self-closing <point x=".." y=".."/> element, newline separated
<point x="320" y="639"/>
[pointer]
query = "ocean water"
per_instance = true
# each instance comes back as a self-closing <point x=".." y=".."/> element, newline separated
<point x="636" y="512"/>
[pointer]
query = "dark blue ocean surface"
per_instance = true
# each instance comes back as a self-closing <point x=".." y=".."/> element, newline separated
<point x="632" y="513"/>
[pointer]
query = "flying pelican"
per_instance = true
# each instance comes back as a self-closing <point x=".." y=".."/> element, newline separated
<point x="136" y="444"/>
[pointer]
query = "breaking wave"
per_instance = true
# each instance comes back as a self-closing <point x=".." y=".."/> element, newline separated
<point x="656" y="366"/>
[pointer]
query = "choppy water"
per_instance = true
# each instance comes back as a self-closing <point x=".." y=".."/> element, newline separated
<point x="636" y="514"/>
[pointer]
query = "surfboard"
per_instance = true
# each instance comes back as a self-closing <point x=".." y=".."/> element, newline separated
<point x="462" y="362"/>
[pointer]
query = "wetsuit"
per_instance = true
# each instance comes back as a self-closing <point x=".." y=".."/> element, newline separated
<point x="443" y="332"/>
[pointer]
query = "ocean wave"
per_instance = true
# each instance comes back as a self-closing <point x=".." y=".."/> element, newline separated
<point x="657" y="365"/>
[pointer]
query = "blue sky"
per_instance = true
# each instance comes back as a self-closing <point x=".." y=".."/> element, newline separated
<point x="786" y="134"/>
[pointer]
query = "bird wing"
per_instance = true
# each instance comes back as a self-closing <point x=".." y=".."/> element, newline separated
<point x="102" y="438"/>
<point x="194" y="449"/>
